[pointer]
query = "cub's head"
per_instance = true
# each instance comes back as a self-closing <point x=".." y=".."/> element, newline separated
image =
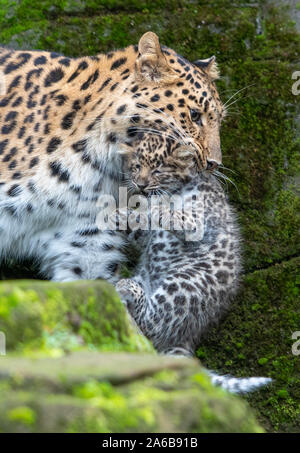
<point x="157" y="164"/>
<point x="167" y="93"/>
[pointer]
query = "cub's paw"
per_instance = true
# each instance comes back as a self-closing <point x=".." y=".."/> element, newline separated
<point x="177" y="221"/>
<point x="129" y="291"/>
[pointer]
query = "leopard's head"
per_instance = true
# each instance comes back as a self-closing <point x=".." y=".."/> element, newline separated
<point x="170" y="95"/>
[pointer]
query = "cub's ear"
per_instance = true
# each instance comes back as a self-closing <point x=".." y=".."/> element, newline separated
<point x="183" y="152"/>
<point x="151" y="63"/>
<point x="183" y="156"/>
<point x="209" y="66"/>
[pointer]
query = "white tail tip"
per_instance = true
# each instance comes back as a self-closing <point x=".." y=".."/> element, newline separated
<point x="239" y="385"/>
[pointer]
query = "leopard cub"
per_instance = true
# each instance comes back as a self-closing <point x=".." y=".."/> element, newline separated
<point x="185" y="282"/>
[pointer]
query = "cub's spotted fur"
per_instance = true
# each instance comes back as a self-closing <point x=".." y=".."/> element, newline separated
<point x="186" y="278"/>
<point x="63" y="122"/>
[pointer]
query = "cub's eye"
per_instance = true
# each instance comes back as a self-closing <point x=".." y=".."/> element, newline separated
<point x="155" y="172"/>
<point x="137" y="166"/>
<point x="196" y="116"/>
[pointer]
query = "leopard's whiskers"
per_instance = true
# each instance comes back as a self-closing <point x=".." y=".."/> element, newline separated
<point x="226" y="168"/>
<point x="225" y="178"/>
<point x="226" y="105"/>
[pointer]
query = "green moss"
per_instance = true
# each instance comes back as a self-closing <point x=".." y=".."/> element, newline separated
<point x="119" y="414"/>
<point x="22" y="414"/>
<point x="263" y="361"/>
<point x="56" y="318"/>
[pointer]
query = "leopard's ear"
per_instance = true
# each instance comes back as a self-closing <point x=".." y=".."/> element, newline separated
<point x="209" y="66"/>
<point x="151" y="64"/>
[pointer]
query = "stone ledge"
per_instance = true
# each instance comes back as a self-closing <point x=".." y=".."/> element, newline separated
<point x="161" y="394"/>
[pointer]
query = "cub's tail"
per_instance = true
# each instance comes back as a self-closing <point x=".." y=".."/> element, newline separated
<point x="227" y="382"/>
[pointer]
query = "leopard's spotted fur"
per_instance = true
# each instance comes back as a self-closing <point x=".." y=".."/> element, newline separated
<point x="63" y="122"/>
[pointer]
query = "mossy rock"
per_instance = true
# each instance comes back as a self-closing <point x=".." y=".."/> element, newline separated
<point x="78" y="393"/>
<point x="46" y="317"/>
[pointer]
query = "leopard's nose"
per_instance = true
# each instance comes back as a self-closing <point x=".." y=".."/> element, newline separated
<point x="211" y="165"/>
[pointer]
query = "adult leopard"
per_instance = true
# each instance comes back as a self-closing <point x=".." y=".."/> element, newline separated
<point x="63" y="124"/>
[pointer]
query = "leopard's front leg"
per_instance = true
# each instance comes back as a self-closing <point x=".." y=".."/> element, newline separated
<point x="86" y="253"/>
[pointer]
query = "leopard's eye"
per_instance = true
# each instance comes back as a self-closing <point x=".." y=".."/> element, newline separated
<point x="138" y="166"/>
<point x="196" y="116"/>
